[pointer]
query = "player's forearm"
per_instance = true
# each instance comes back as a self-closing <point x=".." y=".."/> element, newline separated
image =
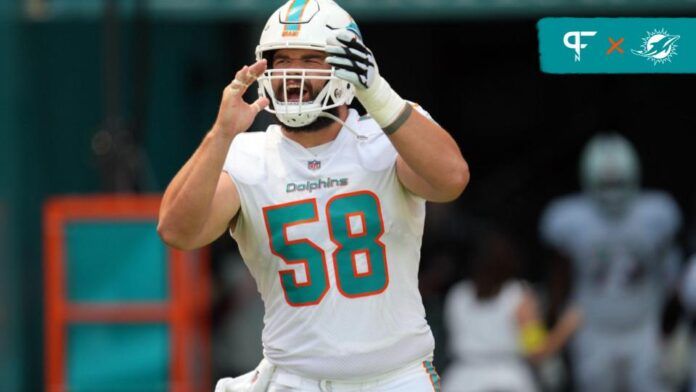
<point x="187" y="202"/>
<point x="433" y="155"/>
<point x="562" y="332"/>
<point x="177" y="182"/>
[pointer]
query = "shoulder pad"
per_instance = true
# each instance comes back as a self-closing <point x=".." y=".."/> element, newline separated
<point x="375" y="151"/>
<point x="661" y="211"/>
<point x="559" y="220"/>
<point x="245" y="161"/>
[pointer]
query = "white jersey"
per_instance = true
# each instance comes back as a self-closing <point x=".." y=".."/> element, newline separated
<point x="484" y="341"/>
<point x="333" y="241"/>
<point x="619" y="264"/>
<point x="483" y="329"/>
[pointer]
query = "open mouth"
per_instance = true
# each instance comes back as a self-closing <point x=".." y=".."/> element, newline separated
<point x="293" y="94"/>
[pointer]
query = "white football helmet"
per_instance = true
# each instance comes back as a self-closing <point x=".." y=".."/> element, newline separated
<point x="610" y="171"/>
<point x="303" y="24"/>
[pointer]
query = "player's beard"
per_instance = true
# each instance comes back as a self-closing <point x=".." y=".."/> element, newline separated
<point x="314" y="126"/>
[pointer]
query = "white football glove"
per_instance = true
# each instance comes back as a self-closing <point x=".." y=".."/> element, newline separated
<point x="354" y="63"/>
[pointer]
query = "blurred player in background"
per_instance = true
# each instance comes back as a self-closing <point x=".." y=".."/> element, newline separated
<point x="327" y="207"/>
<point x="494" y="325"/>
<point x="688" y="297"/>
<point x="619" y="245"/>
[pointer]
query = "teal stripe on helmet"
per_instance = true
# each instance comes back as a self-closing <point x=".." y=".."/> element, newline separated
<point x="354" y="28"/>
<point x="294" y="15"/>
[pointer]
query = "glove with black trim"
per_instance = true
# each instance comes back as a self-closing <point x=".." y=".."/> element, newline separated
<point x="355" y="63"/>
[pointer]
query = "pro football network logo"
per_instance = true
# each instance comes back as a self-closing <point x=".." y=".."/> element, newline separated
<point x="572" y="40"/>
<point x="314" y="165"/>
<point x="659" y="47"/>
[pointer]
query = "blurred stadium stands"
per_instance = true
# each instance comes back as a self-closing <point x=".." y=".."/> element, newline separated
<point x="242" y="10"/>
<point x="95" y="101"/>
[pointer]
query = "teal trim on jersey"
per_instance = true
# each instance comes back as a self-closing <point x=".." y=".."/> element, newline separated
<point x="278" y="218"/>
<point x="367" y="242"/>
<point x="294" y="15"/>
<point x="434" y="377"/>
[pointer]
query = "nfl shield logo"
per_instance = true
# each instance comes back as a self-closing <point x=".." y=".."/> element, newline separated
<point x="314" y="165"/>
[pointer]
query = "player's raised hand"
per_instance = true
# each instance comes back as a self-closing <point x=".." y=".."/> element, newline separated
<point x="354" y="62"/>
<point x="235" y="115"/>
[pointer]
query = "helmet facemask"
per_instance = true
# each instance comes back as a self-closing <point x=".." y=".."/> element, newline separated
<point x="303" y="24"/>
<point x="292" y="106"/>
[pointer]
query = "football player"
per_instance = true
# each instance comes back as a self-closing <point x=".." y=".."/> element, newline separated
<point x="620" y="243"/>
<point x="327" y="207"/>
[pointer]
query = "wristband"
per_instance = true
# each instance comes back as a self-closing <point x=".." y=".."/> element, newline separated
<point x="381" y="102"/>
<point x="400" y="120"/>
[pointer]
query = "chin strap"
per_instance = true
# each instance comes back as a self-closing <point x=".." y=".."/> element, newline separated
<point x="338" y="120"/>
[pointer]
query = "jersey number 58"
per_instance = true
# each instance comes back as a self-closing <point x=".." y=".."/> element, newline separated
<point x="355" y="225"/>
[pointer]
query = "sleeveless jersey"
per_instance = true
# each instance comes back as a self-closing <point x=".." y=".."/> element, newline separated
<point x="333" y="241"/>
<point x="483" y="330"/>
